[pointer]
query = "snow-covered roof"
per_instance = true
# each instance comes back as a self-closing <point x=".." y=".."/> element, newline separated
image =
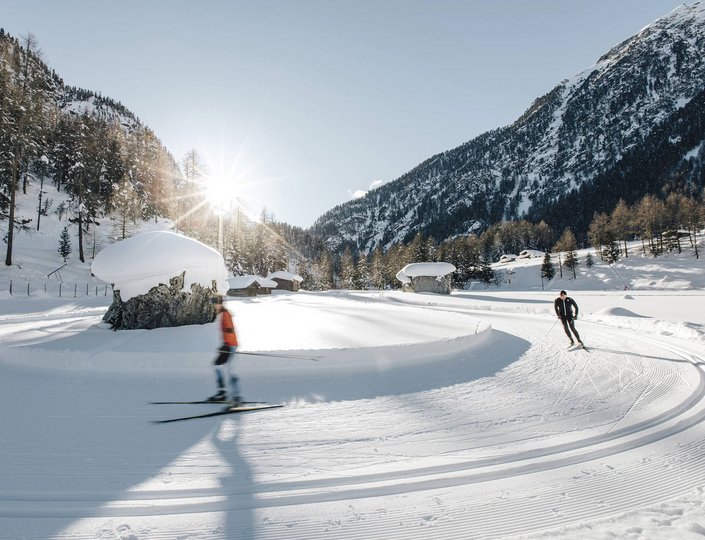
<point x="528" y="253"/>
<point x="431" y="269"/>
<point x="242" y="282"/>
<point x="401" y="276"/>
<point x="137" y="264"/>
<point x="285" y="275"/>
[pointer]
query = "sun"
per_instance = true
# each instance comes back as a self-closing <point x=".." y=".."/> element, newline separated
<point x="221" y="190"/>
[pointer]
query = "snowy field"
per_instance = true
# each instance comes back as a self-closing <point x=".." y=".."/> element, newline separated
<point x="421" y="416"/>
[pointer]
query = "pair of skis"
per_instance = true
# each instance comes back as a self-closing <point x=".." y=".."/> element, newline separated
<point x="246" y="406"/>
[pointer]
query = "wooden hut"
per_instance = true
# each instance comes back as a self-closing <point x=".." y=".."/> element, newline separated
<point x="286" y="281"/>
<point x="250" y="285"/>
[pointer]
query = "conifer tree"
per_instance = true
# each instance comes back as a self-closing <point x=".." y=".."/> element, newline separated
<point x="547" y="269"/>
<point x="127" y="205"/>
<point x="362" y="273"/>
<point x="347" y="270"/>
<point x="568" y="244"/>
<point x="377" y="272"/>
<point x="600" y="232"/>
<point x="621" y="222"/>
<point x="64" y="244"/>
<point x="610" y="253"/>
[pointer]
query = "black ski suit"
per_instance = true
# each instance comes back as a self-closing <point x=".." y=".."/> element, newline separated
<point x="564" y="310"/>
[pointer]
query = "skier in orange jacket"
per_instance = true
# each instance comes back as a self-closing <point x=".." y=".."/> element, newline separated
<point x="222" y="362"/>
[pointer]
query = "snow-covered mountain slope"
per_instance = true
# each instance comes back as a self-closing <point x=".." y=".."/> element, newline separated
<point x="36" y="254"/>
<point x="78" y="101"/>
<point x="622" y="128"/>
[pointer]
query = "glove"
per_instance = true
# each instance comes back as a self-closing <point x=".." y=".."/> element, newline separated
<point x="223" y="355"/>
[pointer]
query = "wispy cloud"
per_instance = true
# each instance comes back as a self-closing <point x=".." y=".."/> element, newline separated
<point x="359" y="193"/>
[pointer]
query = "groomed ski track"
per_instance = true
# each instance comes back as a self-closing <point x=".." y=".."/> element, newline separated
<point x="555" y="439"/>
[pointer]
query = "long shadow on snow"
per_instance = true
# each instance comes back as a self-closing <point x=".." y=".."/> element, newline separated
<point x="72" y="444"/>
<point x="238" y="486"/>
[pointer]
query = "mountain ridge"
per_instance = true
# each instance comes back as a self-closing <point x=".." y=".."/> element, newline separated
<point x="574" y="134"/>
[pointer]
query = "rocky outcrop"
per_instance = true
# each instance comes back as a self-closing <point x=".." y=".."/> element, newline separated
<point x="431" y="284"/>
<point x="163" y="306"/>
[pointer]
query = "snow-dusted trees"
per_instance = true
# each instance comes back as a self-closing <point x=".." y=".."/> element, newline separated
<point x="348" y="278"/>
<point x="621" y="224"/>
<point x="126" y="206"/>
<point x="23" y="127"/>
<point x="84" y="142"/>
<point x="661" y="224"/>
<point x="600" y="232"/>
<point x="547" y="269"/>
<point x="567" y="243"/>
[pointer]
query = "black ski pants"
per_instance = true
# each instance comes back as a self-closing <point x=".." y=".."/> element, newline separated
<point x="569" y="325"/>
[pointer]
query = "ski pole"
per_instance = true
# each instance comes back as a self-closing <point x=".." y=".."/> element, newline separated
<point x="274" y="355"/>
<point x="552" y="326"/>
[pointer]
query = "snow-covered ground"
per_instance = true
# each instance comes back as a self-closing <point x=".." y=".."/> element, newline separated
<point x="407" y="416"/>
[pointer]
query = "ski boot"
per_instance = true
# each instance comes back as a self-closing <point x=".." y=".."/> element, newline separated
<point x="220" y="395"/>
<point x="235" y="402"/>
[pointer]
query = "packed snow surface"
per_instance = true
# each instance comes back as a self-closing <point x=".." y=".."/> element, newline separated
<point x="406" y="416"/>
<point x="137" y="264"/>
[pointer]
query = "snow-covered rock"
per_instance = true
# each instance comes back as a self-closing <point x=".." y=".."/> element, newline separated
<point x="426" y="277"/>
<point x="137" y="264"/>
<point x="160" y="279"/>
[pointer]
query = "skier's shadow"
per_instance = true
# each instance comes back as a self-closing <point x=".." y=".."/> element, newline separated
<point x="237" y="485"/>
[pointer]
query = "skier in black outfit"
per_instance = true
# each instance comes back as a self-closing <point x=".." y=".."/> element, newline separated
<point x="564" y="306"/>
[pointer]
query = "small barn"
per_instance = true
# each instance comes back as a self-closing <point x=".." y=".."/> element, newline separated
<point x="250" y="285"/>
<point x="286" y="281"/>
<point x="266" y="285"/>
<point x="433" y="277"/>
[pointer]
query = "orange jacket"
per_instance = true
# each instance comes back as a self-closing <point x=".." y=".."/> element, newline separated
<point x="228" y="328"/>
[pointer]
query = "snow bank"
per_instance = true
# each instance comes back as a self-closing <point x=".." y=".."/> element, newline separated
<point x="619" y="312"/>
<point x="137" y="264"/>
<point x="624" y="318"/>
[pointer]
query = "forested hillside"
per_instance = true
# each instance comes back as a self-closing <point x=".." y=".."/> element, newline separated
<point x="90" y="147"/>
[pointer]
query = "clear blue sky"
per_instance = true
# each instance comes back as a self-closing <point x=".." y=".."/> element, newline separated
<point x="318" y="99"/>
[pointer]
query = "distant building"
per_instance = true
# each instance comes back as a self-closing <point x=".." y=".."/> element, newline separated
<point x="433" y="277"/>
<point x="286" y="281"/>
<point x="250" y="285"/>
